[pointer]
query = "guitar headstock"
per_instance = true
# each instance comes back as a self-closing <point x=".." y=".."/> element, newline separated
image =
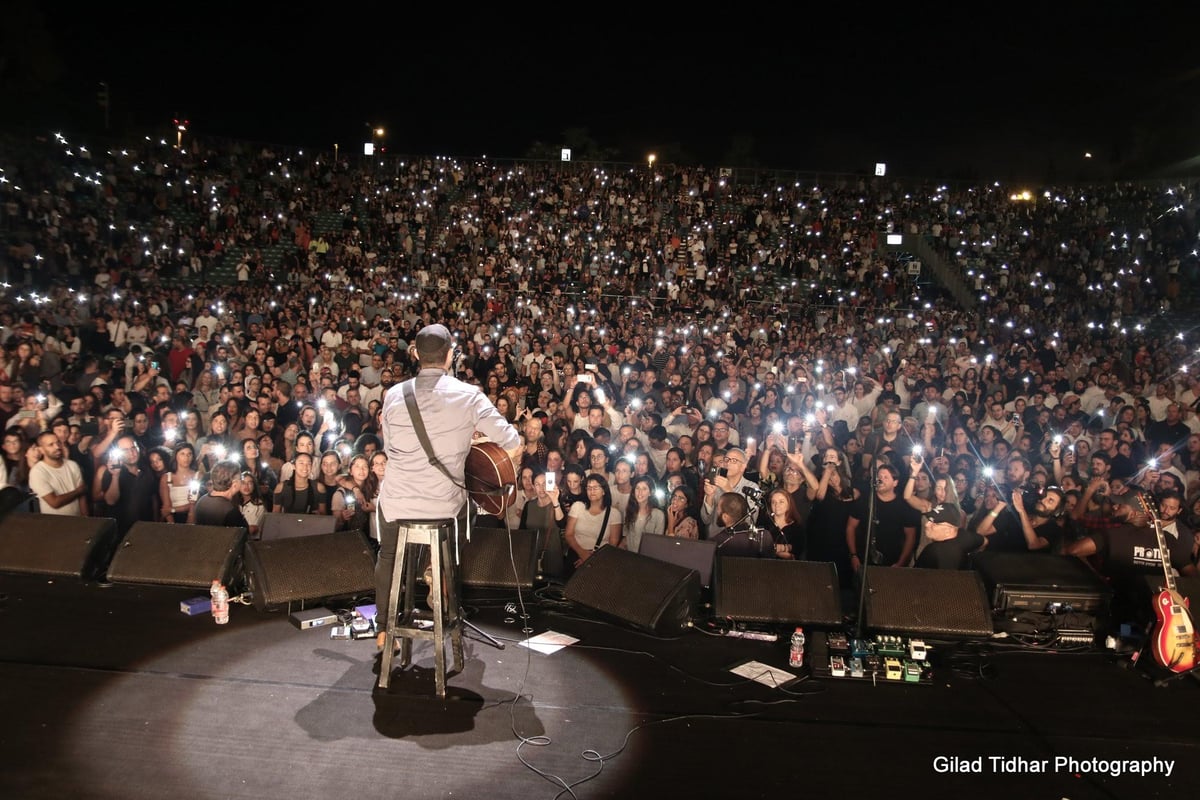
<point x="1148" y="505"/>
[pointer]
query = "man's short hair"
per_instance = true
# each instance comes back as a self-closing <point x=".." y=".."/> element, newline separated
<point x="221" y="476"/>
<point x="734" y="507"/>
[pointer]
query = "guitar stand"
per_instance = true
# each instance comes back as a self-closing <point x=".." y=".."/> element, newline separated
<point x="1135" y="660"/>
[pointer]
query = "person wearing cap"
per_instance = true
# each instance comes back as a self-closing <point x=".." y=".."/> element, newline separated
<point x="413" y="488"/>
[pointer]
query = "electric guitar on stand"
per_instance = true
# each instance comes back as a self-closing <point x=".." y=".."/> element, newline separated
<point x="1173" y="641"/>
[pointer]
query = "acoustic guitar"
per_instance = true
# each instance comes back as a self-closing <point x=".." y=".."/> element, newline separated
<point x="1174" y="639"/>
<point x="491" y="478"/>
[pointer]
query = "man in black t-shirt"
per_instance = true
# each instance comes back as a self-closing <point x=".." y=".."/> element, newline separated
<point x="895" y="524"/>
<point x="218" y="507"/>
<point x="1130" y="551"/>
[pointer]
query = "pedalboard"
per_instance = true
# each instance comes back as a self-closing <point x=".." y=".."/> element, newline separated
<point x="881" y="659"/>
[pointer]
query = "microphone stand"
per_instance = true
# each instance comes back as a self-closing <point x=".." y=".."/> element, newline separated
<point x="866" y="556"/>
<point x="753" y="529"/>
<point x="455" y="363"/>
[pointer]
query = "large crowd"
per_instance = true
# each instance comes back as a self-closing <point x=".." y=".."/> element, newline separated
<point x="734" y="355"/>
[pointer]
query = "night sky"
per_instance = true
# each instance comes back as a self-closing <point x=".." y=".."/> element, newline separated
<point x="940" y="93"/>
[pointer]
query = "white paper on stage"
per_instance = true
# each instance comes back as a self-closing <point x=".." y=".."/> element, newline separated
<point x="548" y="642"/>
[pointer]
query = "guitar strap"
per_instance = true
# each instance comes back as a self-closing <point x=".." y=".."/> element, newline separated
<point x="414" y="413"/>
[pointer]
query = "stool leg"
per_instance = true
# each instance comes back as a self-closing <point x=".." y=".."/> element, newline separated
<point x="389" y="639"/>
<point x="454" y="610"/>
<point x="439" y="617"/>
<point x="412" y="564"/>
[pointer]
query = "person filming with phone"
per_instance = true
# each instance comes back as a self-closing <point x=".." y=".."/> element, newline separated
<point x="729" y="478"/>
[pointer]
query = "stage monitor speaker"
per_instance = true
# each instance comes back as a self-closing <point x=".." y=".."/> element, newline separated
<point x="321" y="567"/>
<point x="648" y="594"/>
<point x="166" y="554"/>
<point x="487" y="560"/>
<point x="691" y="553"/>
<point x="775" y="590"/>
<point x="1041" y="582"/>
<point x="287" y="526"/>
<point x="51" y="544"/>
<point x="931" y="602"/>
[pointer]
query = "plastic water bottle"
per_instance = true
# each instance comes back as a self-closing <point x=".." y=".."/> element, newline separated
<point x="796" y="653"/>
<point x="220" y="602"/>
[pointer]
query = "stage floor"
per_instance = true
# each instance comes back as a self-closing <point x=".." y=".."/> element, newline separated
<point x="111" y="692"/>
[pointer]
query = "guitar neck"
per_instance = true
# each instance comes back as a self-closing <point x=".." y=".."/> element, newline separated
<point x="1164" y="555"/>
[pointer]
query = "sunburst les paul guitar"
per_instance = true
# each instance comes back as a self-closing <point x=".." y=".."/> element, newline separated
<point x="1174" y="639"/>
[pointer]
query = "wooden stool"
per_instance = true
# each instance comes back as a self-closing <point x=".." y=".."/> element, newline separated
<point x="443" y="599"/>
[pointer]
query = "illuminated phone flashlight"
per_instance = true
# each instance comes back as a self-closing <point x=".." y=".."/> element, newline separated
<point x="1152" y="464"/>
<point x="193" y="489"/>
<point x="660" y="495"/>
<point x="169" y="434"/>
<point x="625" y="371"/>
<point x="810" y="418"/>
<point x="1058" y="438"/>
<point x="713" y="414"/>
<point x="219" y="451"/>
<point x="777" y="427"/>
<point x="220" y="372"/>
<point x="612" y="448"/>
<point x="344" y="449"/>
<point x="635" y="403"/>
<point x="599" y="395"/>
<point x="916" y="451"/>
<point x="988" y="472"/>
<point x="321" y="404"/>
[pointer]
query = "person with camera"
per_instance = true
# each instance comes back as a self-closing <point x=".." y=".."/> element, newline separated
<point x="729" y="478"/>
<point x="126" y="484"/>
<point x="1033" y="523"/>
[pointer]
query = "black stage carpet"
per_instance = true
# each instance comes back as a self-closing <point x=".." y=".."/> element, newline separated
<point x="111" y="692"/>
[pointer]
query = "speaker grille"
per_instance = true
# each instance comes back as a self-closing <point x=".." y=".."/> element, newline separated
<point x="642" y="591"/>
<point x="928" y="601"/>
<point x="309" y="568"/>
<point x="163" y="554"/>
<point x="51" y="544"/>
<point x="773" y="590"/>
<point x="486" y="560"/>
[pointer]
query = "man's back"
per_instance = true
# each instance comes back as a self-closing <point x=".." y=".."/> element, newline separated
<point x="451" y="411"/>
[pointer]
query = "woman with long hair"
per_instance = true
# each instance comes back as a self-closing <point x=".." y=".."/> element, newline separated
<point x="592" y="523"/>
<point x="355" y="503"/>
<point x="544" y="512"/>
<point x="781" y="519"/>
<point x="579" y="442"/>
<point x="643" y="514"/>
<point x="833" y="497"/>
<point x="305" y="443"/>
<point x="330" y="476"/>
<point x="297" y="494"/>
<point x="683" y="514"/>
<point x="206" y="392"/>
<point x="643" y="467"/>
<point x="193" y="427"/>
<point x="572" y="489"/>
<point x="218" y="444"/>
<point x="249" y="500"/>
<point x="175" y="488"/>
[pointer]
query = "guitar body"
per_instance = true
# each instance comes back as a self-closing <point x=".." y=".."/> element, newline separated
<point x="1174" y="640"/>
<point x="491" y="478"/>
